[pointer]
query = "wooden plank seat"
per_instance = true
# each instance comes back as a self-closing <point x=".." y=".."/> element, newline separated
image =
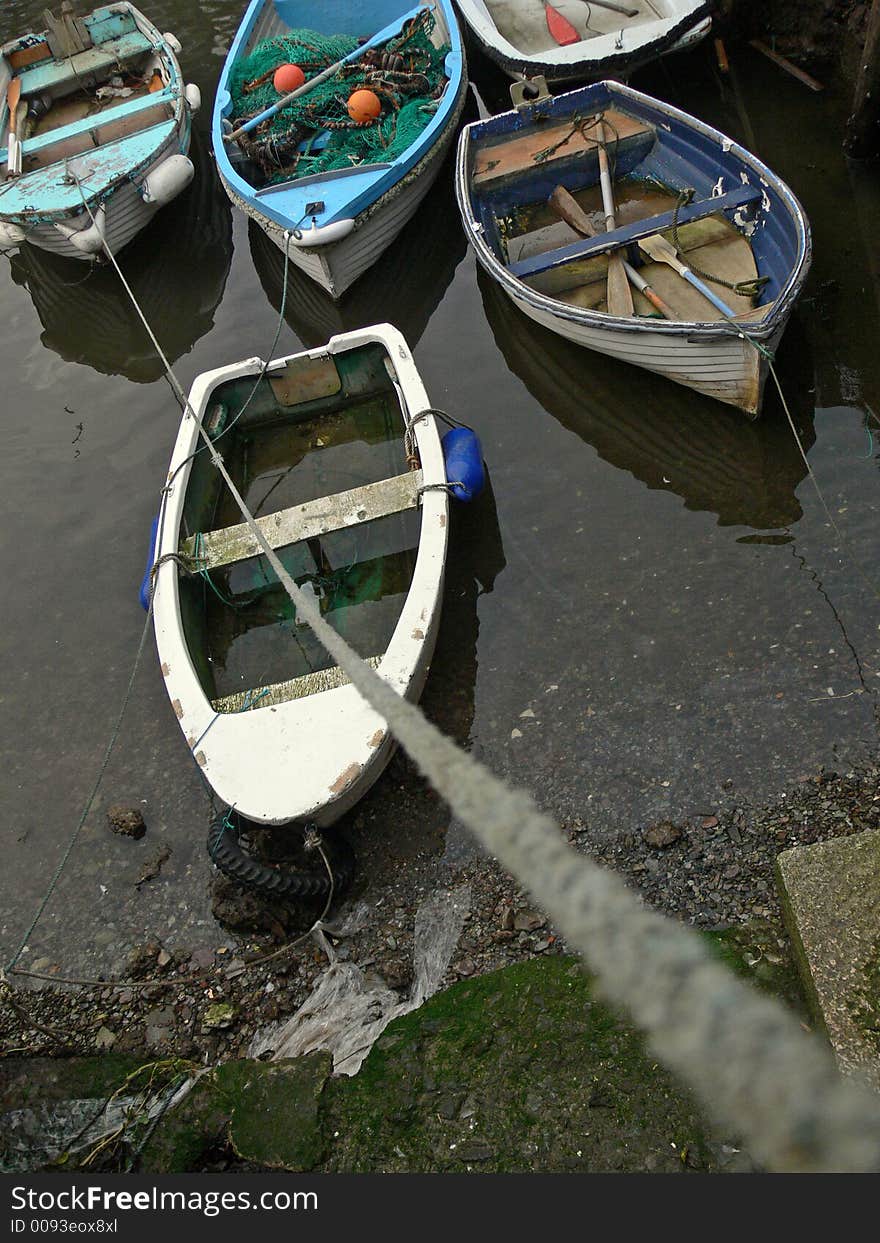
<point x="94" y="62"/>
<point x="307" y="521"/>
<point x="285" y="692"/>
<point x="109" y="125"/>
<point x="742" y="196"/>
<point x="493" y="163"/>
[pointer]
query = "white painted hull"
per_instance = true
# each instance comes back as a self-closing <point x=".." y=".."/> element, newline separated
<point x="728" y="369"/>
<point x="712" y="357"/>
<point x="126" y="214"/>
<point x="613" y="45"/>
<point x="307" y="759"/>
<point x="336" y="266"/>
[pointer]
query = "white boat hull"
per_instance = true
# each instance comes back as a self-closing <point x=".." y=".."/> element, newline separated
<point x="614" y="45"/>
<point x="728" y="368"/>
<point x="307" y="759"/>
<point x="337" y="265"/>
<point x="126" y="214"/>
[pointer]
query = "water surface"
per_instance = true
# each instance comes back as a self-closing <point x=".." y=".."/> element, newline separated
<point x="648" y="605"/>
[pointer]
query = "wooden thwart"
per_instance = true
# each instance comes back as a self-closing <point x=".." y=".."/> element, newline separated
<point x="308" y="521"/>
<point x="285" y="692"/>
<point x="518" y="154"/>
<point x="741" y="197"/>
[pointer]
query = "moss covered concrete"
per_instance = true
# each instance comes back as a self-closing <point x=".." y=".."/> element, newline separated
<point x="830" y="894"/>
<point x="521" y="1069"/>
<point x="517" y="1070"/>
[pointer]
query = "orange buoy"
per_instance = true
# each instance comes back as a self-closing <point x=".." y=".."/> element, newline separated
<point x="364" y="105"/>
<point x="288" y="78"/>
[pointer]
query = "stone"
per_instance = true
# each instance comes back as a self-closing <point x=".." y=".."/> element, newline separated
<point x="529" y="921"/>
<point x="126" y="821"/>
<point x="274" y="1107"/>
<point x="662" y="835"/>
<point x="219" y="1016"/>
<point x="830" y="895"/>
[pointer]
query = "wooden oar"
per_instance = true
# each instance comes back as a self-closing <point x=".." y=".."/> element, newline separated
<point x="13" y="95"/>
<point x="388" y="32"/>
<point x="560" y="27"/>
<point x="20" y="117"/>
<point x="620" y="301"/>
<point x="662" y="251"/>
<point x="567" y="208"/>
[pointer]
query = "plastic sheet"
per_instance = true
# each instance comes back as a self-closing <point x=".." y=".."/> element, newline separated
<point x="349" y="1009"/>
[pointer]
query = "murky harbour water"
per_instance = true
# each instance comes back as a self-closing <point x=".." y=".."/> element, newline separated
<point x="648" y="603"/>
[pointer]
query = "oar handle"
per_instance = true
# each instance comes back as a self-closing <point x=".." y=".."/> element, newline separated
<point x="636" y="279"/>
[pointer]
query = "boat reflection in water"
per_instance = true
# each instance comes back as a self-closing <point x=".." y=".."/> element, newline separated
<point x="670" y="438"/>
<point x="177" y="268"/>
<point x="405" y="289"/>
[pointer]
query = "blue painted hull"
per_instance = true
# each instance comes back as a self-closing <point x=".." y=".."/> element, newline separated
<point x="664" y="148"/>
<point x="336" y="224"/>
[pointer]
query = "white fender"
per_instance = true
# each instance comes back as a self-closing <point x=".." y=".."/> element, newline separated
<point x="193" y="97"/>
<point x="11" y="234"/>
<point x="323" y="235"/>
<point x="173" y="42"/>
<point x="168" y="180"/>
<point x="89" y="240"/>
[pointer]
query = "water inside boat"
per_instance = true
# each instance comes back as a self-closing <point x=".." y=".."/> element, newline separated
<point x="320" y="429"/>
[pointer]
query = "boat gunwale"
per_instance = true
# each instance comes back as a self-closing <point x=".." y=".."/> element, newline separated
<point x="176" y="124"/>
<point x="406" y="658"/>
<point x="759" y="330"/>
<point x="389" y="175"/>
<point x="566" y="66"/>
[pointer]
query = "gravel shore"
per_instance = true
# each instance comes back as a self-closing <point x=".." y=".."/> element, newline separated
<point x="713" y="870"/>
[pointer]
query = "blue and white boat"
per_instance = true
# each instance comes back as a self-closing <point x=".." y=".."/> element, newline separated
<point x="96" y="130"/>
<point x="717" y="210"/>
<point x="335" y="222"/>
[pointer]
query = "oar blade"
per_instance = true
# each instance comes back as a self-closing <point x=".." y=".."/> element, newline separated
<point x="567" y="208"/>
<point x="560" y="27"/>
<point x="660" y="250"/>
<point x="620" y="300"/>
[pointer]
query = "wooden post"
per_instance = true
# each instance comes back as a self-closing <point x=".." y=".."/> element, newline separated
<point x="863" y="127"/>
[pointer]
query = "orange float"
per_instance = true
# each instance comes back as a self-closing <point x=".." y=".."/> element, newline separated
<point x="364" y="105"/>
<point x="288" y="78"/>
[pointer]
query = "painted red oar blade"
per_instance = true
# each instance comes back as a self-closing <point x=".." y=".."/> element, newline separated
<point x="560" y="27"/>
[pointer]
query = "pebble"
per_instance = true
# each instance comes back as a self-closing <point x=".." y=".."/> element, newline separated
<point x="126" y="821"/>
<point x="662" y="835"/>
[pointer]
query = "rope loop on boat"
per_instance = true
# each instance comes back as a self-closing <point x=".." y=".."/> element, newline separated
<point x="746" y="289"/>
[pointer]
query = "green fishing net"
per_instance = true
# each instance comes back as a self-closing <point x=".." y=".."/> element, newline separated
<point x="315" y="133"/>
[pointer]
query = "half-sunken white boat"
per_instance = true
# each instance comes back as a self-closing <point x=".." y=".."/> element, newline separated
<point x="680" y="188"/>
<point x="96" y="130"/>
<point x="331" y="192"/>
<point x="615" y="37"/>
<point x="331" y="455"/>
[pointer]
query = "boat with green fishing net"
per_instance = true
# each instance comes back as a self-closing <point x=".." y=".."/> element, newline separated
<point x="335" y="456"/>
<point x="334" y="174"/>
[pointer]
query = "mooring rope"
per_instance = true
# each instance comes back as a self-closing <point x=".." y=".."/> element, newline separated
<point x="756" y="1072"/>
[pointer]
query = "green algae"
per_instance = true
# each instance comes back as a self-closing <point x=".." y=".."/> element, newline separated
<point x="517" y="1070"/>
